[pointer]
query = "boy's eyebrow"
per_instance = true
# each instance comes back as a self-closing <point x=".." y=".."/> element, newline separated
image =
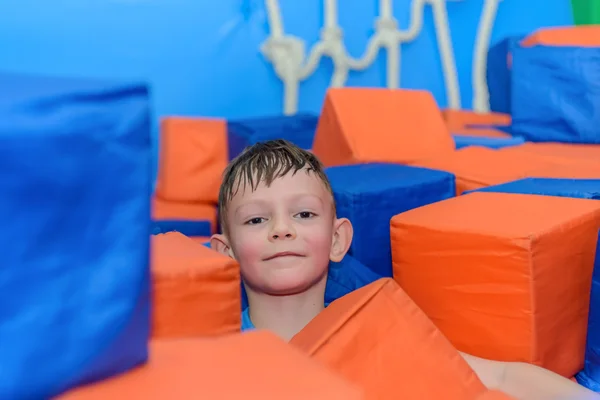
<point x="296" y="197"/>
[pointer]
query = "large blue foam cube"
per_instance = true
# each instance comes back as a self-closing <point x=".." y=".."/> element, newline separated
<point x="499" y="73"/>
<point x="590" y="376"/>
<point x="556" y="94"/>
<point x="75" y="209"/>
<point x="298" y="129"/>
<point x="371" y="194"/>
<point x="462" y="141"/>
<point x="578" y="188"/>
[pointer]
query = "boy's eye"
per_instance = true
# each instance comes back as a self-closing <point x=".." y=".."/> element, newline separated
<point x="255" y="221"/>
<point x="305" y="214"/>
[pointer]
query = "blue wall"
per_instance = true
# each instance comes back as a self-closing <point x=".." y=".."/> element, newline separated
<point x="202" y="58"/>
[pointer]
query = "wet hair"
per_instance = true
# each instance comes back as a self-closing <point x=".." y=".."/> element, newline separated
<point x="264" y="162"/>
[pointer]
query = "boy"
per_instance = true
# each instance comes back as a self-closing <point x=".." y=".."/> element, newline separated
<point x="279" y="222"/>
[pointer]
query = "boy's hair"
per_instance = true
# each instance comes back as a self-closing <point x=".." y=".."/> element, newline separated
<point x="265" y="162"/>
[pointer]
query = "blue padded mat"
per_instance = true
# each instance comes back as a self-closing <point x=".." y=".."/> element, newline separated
<point x="578" y="188"/>
<point x="186" y="227"/>
<point x="344" y="277"/>
<point x="462" y="141"/>
<point x="590" y="376"/>
<point x="371" y="194"/>
<point x="556" y="94"/>
<point x="298" y="129"/>
<point x="498" y="74"/>
<point x="75" y="205"/>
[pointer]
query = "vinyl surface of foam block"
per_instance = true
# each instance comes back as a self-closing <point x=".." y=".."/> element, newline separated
<point x="369" y="195"/>
<point x="578" y="188"/>
<point x="191" y="219"/>
<point x="378" y="338"/>
<point x="196" y="290"/>
<point x="193" y="156"/>
<point x="504" y="276"/>
<point x="75" y="184"/>
<point x="253" y="365"/>
<point x="360" y="125"/>
<point x="555" y="92"/>
<point x="298" y="129"/>
<point x="462" y="141"/>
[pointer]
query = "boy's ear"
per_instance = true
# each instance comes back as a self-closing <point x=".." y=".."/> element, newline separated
<point x="220" y="243"/>
<point x="342" y="238"/>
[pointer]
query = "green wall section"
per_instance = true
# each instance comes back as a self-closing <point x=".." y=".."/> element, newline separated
<point x="586" y="12"/>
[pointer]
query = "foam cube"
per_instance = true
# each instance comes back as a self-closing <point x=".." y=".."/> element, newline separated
<point x="371" y="194"/>
<point x="564" y="36"/>
<point x="196" y="290"/>
<point x="74" y="183"/>
<point x="560" y="152"/>
<point x="498" y="73"/>
<point x="555" y="93"/>
<point x="191" y="219"/>
<point x="503" y="276"/>
<point x="476" y="167"/>
<point x="253" y="365"/>
<point x="193" y="156"/>
<point x="462" y="141"/>
<point x="457" y="120"/>
<point x="578" y="188"/>
<point x="298" y="129"/>
<point x="361" y="125"/>
<point x="377" y="334"/>
<point x="590" y="376"/>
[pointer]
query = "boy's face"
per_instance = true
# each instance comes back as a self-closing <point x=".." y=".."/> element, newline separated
<point x="284" y="235"/>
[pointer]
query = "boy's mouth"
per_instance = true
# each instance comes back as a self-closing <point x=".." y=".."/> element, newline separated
<point x="283" y="254"/>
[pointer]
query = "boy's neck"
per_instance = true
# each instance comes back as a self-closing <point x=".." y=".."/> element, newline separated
<point x="286" y="315"/>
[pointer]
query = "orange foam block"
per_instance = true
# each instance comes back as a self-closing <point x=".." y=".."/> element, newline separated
<point x="504" y="276"/>
<point x="461" y="119"/>
<point x="360" y="125"/>
<point x="559" y="152"/>
<point x="477" y="167"/>
<point x="254" y="365"/>
<point x="196" y="291"/>
<point x="170" y="210"/>
<point x="379" y="339"/>
<point x="580" y="36"/>
<point x="193" y="156"/>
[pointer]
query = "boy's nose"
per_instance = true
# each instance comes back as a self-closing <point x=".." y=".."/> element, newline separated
<point x="282" y="230"/>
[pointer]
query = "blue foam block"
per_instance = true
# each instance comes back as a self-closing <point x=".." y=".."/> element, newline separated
<point x="371" y="194"/>
<point x="578" y="188"/>
<point x="498" y="74"/>
<point x="185" y="227"/>
<point x="556" y="94"/>
<point x="298" y="129"/>
<point x="344" y="277"/>
<point x="75" y="204"/>
<point x="462" y="141"/>
<point x="590" y="376"/>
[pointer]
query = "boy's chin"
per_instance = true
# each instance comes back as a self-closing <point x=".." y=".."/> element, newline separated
<point x="291" y="285"/>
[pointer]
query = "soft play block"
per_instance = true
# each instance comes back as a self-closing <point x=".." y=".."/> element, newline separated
<point x="560" y="152"/>
<point x="499" y="73"/>
<point x="481" y="131"/>
<point x="360" y="125"/>
<point x="193" y="156"/>
<point x="461" y="119"/>
<point x="191" y="219"/>
<point x="462" y="141"/>
<point x="476" y="167"/>
<point x="298" y="129"/>
<point x="253" y="365"/>
<point x="504" y="276"/>
<point x="565" y="36"/>
<point x="590" y="376"/>
<point x="578" y="188"/>
<point x="378" y="338"/>
<point x="555" y="92"/>
<point x="74" y="185"/>
<point x="371" y="194"/>
<point x="196" y="290"/>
